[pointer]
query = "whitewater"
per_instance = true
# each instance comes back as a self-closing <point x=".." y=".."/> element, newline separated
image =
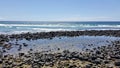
<point x="10" y="27"/>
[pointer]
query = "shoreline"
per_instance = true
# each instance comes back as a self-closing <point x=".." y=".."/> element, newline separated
<point x="50" y="35"/>
<point x="104" y="56"/>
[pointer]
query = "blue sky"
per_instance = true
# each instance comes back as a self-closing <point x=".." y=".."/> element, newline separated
<point x="60" y="10"/>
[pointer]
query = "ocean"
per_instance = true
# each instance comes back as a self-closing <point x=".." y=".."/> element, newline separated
<point x="10" y="27"/>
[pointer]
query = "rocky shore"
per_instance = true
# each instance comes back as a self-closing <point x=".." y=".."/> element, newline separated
<point x="100" y="57"/>
<point x="50" y="35"/>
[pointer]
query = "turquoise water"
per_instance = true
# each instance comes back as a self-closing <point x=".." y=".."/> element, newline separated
<point x="9" y="27"/>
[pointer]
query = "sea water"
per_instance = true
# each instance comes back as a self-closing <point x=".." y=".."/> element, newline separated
<point x="79" y="43"/>
<point x="10" y="27"/>
<point x="64" y="43"/>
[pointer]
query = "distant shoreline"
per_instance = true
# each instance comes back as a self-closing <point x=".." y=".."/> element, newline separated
<point x="43" y="35"/>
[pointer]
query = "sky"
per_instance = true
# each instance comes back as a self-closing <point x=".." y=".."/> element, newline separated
<point x="59" y="10"/>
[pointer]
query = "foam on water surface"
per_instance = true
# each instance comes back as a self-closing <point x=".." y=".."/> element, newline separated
<point x="11" y="27"/>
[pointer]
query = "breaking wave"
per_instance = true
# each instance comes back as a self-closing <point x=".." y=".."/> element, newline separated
<point x="57" y="25"/>
<point x="46" y="27"/>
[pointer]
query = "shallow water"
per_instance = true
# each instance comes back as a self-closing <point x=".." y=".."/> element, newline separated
<point x="79" y="43"/>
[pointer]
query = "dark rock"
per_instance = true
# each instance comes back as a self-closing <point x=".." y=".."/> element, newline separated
<point x="1" y="61"/>
<point x="31" y="49"/>
<point x="5" y="56"/>
<point x="4" y="50"/>
<point x="10" y="62"/>
<point x="6" y="61"/>
<point x="1" y="54"/>
<point x="20" y="47"/>
<point x="117" y="63"/>
<point x="97" y="61"/>
<point x="21" y="54"/>
<point x="116" y="57"/>
<point x="7" y="46"/>
<point x="58" y="48"/>
<point x="24" y="44"/>
<point x="98" y="52"/>
<point x="93" y="57"/>
<point x="51" y="38"/>
<point x="88" y="66"/>
<point x="60" y="38"/>
<point x="106" y="61"/>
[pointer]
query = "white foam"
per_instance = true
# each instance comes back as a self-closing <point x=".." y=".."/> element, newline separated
<point x="48" y="29"/>
<point x="59" y="25"/>
<point x="23" y="28"/>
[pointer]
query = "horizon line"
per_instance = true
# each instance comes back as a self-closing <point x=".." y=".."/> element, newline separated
<point x="66" y="21"/>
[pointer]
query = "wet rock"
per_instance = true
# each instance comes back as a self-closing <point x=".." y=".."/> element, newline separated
<point x="31" y="49"/>
<point x="58" y="49"/>
<point x="6" y="61"/>
<point x="1" y="54"/>
<point x="59" y="37"/>
<point x="106" y="61"/>
<point x="20" y="47"/>
<point x="5" y="56"/>
<point x="21" y="54"/>
<point x="88" y="65"/>
<point x="115" y="56"/>
<point x="24" y="44"/>
<point x="1" y="61"/>
<point x="4" y="50"/>
<point x="97" y="61"/>
<point x="7" y="46"/>
<point x="117" y="63"/>
<point x="98" y="52"/>
<point x="93" y="57"/>
<point x="36" y="60"/>
<point x="1" y="43"/>
<point x="51" y="38"/>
